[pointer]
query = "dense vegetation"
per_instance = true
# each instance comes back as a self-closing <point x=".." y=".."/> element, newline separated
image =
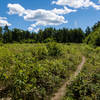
<point x="87" y="85"/>
<point x="90" y="36"/>
<point x="94" y="37"/>
<point x="34" y="71"/>
<point x="49" y="34"/>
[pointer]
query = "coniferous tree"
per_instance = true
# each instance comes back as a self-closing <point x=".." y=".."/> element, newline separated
<point x="87" y="31"/>
<point x="0" y="34"/>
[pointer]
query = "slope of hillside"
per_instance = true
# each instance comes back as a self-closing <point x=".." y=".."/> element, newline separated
<point x="34" y="71"/>
<point x="87" y="84"/>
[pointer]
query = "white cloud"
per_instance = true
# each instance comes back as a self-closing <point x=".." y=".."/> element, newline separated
<point x="30" y="28"/>
<point x="72" y="3"/>
<point x="97" y="7"/>
<point x="63" y="11"/>
<point x="40" y="16"/>
<point x="77" y="3"/>
<point x="44" y="17"/>
<point x="33" y="29"/>
<point x="16" y="9"/>
<point x="4" y="18"/>
<point x="3" y="21"/>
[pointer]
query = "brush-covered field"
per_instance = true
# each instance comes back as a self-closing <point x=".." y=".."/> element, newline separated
<point x="87" y="85"/>
<point x="36" y="71"/>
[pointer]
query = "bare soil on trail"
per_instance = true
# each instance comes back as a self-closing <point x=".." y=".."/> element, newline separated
<point x="62" y="91"/>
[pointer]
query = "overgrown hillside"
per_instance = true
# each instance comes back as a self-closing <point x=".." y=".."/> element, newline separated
<point x="35" y="71"/>
<point x="87" y="85"/>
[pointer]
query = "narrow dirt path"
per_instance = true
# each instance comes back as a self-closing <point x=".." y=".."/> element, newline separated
<point x="61" y="92"/>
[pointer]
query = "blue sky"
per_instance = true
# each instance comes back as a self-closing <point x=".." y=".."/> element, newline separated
<point x="37" y="14"/>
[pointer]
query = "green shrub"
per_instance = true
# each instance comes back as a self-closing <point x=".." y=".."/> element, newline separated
<point x="87" y="84"/>
<point x="40" y="52"/>
<point x="54" y="49"/>
<point x="34" y="71"/>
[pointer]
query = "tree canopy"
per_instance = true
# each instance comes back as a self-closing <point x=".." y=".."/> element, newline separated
<point x="64" y="35"/>
<point x="94" y="37"/>
<point x="48" y="34"/>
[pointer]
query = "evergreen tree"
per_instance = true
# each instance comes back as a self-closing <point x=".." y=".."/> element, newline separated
<point x="0" y="34"/>
<point x="87" y="31"/>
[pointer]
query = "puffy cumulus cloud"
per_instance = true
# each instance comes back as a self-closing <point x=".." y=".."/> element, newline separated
<point x="3" y="21"/>
<point x="76" y="3"/>
<point x="33" y="29"/>
<point x="4" y="18"/>
<point x="44" y="17"/>
<point x="97" y="7"/>
<point x="30" y="28"/>
<point x="16" y="9"/>
<point x="72" y="3"/>
<point x="63" y="11"/>
<point x="40" y="16"/>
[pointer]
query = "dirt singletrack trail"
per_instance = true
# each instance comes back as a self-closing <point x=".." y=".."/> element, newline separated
<point x="61" y="92"/>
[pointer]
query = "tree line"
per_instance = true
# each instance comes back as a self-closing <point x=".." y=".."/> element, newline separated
<point x="48" y="34"/>
<point x="64" y="35"/>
